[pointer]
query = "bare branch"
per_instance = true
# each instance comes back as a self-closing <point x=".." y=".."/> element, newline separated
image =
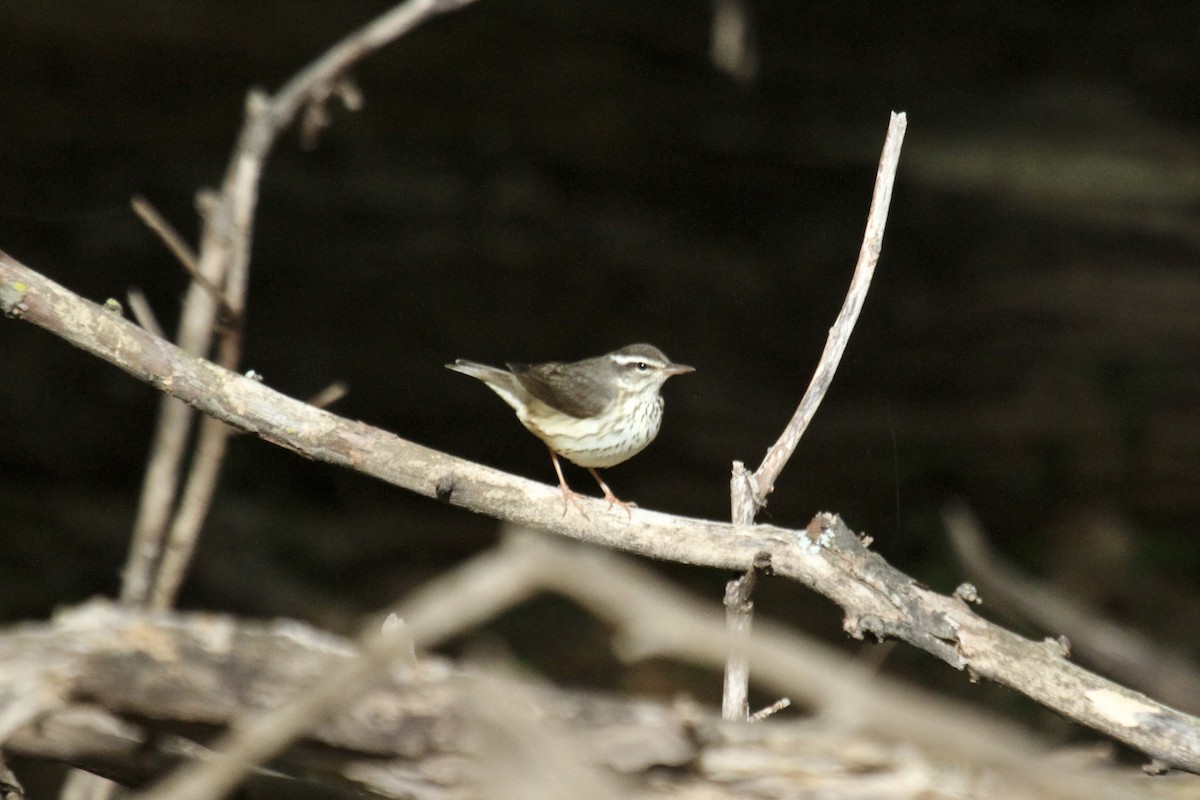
<point x="1125" y="654"/>
<point x="828" y="557"/>
<point x="771" y="710"/>
<point x="748" y="493"/>
<point x="170" y="237"/>
<point x="223" y="262"/>
<point x="839" y="334"/>
<point x="739" y="620"/>
<point x="411" y="736"/>
<point x="142" y="312"/>
<point x="654" y="619"/>
<point x="739" y="609"/>
<point x="188" y="520"/>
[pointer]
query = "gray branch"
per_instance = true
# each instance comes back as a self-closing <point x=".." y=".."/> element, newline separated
<point x="827" y="557"/>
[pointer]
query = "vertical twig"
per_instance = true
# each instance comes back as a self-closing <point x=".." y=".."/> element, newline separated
<point x="158" y="557"/>
<point x="839" y="335"/>
<point x="749" y="491"/>
<point x="739" y="608"/>
<point x="223" y="262"/>
<point x="731" y="44"/>
<point x="176" y="552"/>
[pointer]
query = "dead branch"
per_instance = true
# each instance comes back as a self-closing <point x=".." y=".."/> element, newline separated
<point x="140" y="693"/>
<point x="158" y="557"/>
<point x="748" y="493"/>
<point x="828" y="557"/>
<point x="174" y="242"/>
<point x="731" y="45"/>
<point x="1123" y="653"/>
<point x="168" y="524"/>
<point x="839" y="335"/>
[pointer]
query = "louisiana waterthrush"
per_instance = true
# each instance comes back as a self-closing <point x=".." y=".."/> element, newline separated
<point x="595" y="413"/>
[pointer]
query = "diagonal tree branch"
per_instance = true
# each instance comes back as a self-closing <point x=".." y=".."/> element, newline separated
<point x="828" y="557"/>
<point x="1126" y="654"/>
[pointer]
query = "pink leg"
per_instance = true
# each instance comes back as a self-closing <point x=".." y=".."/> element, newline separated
<point x="568" y="495"/>
<point x="612" y="498"/>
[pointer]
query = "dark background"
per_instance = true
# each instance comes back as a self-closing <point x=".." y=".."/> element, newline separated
<point x="540" y="179"/>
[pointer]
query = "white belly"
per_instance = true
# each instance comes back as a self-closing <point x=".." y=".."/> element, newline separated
<point x="600" y="441"/>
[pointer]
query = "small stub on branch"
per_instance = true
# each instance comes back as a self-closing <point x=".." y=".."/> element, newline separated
<point x="1058" y="645"/>
<point x="12" y="299"/>
<point x="968" y="593"/>
<point x="771" y="710"/>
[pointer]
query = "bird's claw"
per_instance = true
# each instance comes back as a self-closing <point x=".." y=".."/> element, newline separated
<point x="571" y="498"/>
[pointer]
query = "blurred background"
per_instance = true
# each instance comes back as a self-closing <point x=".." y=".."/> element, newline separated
<point x="537" y="179"/>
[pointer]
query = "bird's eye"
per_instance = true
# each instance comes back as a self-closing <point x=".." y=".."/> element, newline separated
<point x="642" y="366"/>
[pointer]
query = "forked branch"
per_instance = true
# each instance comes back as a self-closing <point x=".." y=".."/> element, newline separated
<point x="828" y="557"/>
<point x="749" y="491"/>
<point x="168" y="521"/>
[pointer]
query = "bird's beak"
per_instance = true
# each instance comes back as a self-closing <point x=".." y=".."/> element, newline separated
<point x="678" y="369"/>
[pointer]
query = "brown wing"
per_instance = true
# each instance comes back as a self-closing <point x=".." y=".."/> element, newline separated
<point x="578" y="392"/>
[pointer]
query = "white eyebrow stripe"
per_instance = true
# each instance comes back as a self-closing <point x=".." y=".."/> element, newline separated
<point x="626" y="360"/>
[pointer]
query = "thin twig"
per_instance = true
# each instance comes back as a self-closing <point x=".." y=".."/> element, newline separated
<point x="180" y="249"/>
<point x="189" y="516"/>
<point x="748" y="493"/>
<point x="329" y="395"/>
<point x="739" y="609"/>
<point x="170" y="237"/>
<point x="839" y="335"/>
<point x="140" y="307"/>
<point x="739" y="620"/>
<point x="158" y="496"/>
<point x="223" y="261"/>
<point x="771" y="710"/>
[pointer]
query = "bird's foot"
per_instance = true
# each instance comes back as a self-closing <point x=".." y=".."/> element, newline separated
<point x="570" y="498"/>
<point x="613" y="500"/>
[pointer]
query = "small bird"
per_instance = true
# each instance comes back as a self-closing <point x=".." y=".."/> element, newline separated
<point x="595" y="413"/>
